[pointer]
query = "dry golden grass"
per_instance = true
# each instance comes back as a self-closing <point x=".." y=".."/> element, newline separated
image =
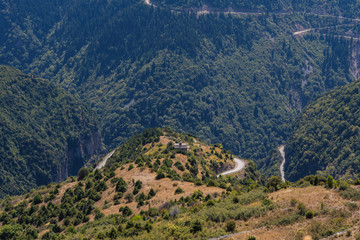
<point x="165" y="189"/>
<point x="313" y="197"/>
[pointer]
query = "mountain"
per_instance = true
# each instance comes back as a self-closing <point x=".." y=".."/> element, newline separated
<point x="143" y="174"/>
<point x="237" y="79"/>
<point x="46" y="133"/>
<point x="329" y="7"/>
<point x="326" y="138"/>
<point x="150" y="190"/>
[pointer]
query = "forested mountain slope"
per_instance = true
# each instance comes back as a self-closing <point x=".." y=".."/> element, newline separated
<point x="326" y="136"/>
<point x="325" y="7"/>
<point x="239" y="80"/>
<point x="45" y="133"/>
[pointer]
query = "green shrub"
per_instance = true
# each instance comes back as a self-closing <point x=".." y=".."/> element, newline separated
<point x="126" y="211"/>
<point x="98" y="214"/>
<point x="168" y="163"/>
<point x="179" y="166"/>
<point x="309" y="214"/>
<point x="252" y="238"/>
<point x="352" y="206"/>
<point x="152" y="193"/>
<point x="196" y="226"/>
<point x="179" y="190"/>
<point x="56" y="228"/>
<point x="230" y="226"/>
<point x="70" y="229"/>
<point x="130" y="167"/>
<point x="121" y="185"/>
<point x="112" y="234"/>
<point x="37" y="199"/>
<point x="293" y="202"/>
<point x="302" y="209"/>
<point x="129" y="197"/>
<point x="267" y="202"/>
<point x="343" y="186"/>
<point x="350" y="193"/>
<point x="286" y="220"/>
<point x="117" y="196"/>
<point x="330" y="182"/>
<point x="83" y="173"/>
<point x="160" y="175"/>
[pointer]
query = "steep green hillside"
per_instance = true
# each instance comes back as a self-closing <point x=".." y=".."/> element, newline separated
<point x="326" y="136"/>
<point x="238" y="80"/>
<point x="149" y="190"/>
<point x="145" y="175"/>
<point x="45" y="133"/>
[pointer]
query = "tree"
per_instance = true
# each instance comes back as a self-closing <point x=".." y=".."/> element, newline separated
<point x="83" y="173"/>
<point x="56" y="228"/>
<point x="126" y="211"/>
<point x="196" y="226"/>
<point x="152" y="193"/>
<point x="37" y="199"/>
<point x="230" y="226"/>
<point x="148" y="226"/>
<point x="273" y="183"/>
<point x="129" y="197"/>
<point x="330" y="182"/>
<point x="113" y="234"/>
<point x="121" y="185"/>
<point x="11" y="232"/>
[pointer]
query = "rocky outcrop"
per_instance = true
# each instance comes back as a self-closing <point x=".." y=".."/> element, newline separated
<point x="79" y="151"/>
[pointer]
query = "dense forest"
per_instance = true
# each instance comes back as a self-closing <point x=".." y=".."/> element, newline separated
<point x="46" y="134"/>
<point x="238" y="80"/>
<point x="326" y="136"/>
<point x="324" y="7"/>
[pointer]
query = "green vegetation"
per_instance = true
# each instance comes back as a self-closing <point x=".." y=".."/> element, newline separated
<point x="346" y="8"/>
<point x="80" y="207"/>
<point x="145" y="149"/>
<point x="59" y="209"/>
<point x="326" y="138"/>
<point x="45" y="133"/>
<point x="238" y="80"/>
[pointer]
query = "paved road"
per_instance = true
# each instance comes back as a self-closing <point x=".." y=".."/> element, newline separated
<point x="240" y="164"/>
<point x="103" y="162"/>
<point x="302" y="32"/>
<point x="282" y="152"/>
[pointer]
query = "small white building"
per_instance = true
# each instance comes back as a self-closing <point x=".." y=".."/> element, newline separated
<point x="182" y="146"/>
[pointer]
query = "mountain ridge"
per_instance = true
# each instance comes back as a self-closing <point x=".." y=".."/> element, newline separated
<point x="47" y="134"/>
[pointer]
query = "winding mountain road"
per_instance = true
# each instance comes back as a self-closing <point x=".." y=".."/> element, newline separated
<point x="302" y="32"/>
<point x="203" y="11"/>
<point x="240" y="164"/>
<point x="103" y="162"/>
<point x="282" y="152"/>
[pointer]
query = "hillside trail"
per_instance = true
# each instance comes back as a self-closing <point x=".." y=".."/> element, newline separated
<point x="282" y="152"/>
<point x="103" y="162"/>
<point x="240" y="164"/>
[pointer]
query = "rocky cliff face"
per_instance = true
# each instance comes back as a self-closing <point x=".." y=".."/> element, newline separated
<point x="79" y="151"/>
<point x="355" y="60"/>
